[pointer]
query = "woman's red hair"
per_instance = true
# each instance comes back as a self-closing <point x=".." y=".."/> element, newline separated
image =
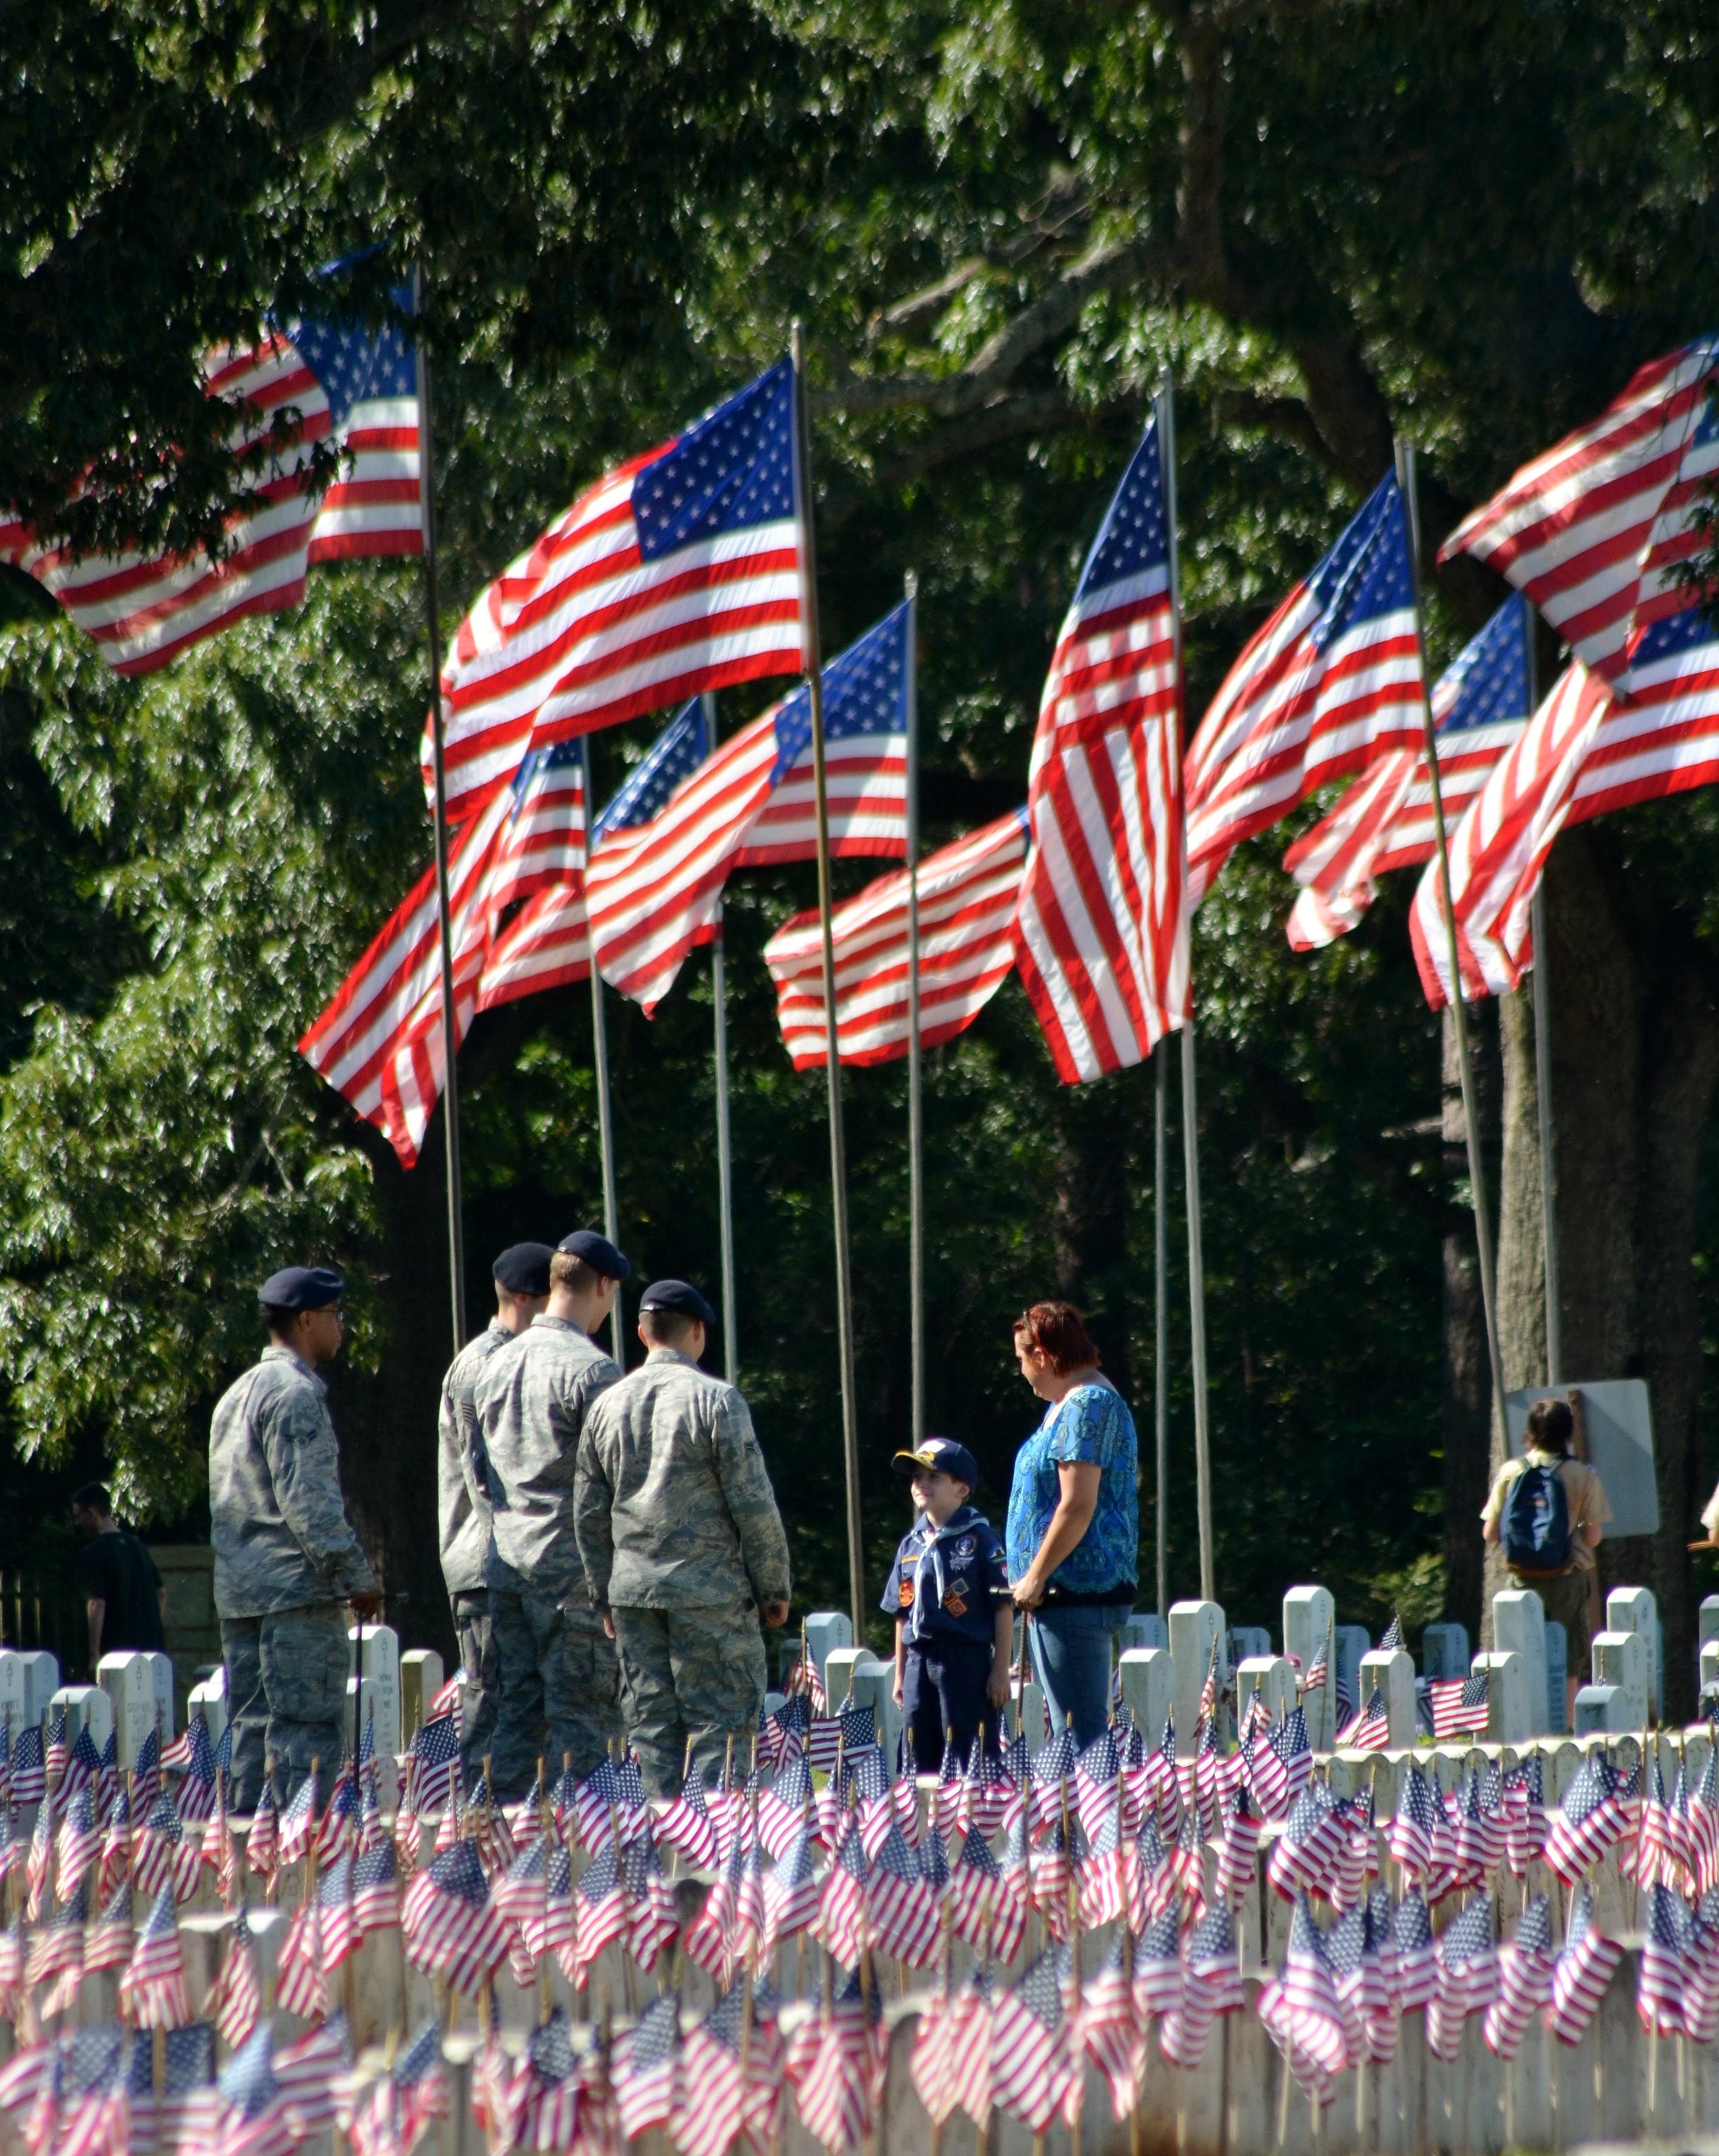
<point x="1058" y="1332"/>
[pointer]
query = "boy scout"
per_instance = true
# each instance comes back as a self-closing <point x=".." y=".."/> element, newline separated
<point x="682" y="1542"/>
<point x="286" y="1558"/>
<point x="948" y="1592"/>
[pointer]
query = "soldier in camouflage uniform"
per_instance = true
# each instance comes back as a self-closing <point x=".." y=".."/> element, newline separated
<point x="559" y="1686"/>
<point x="522" y="1277"/>
<point x="286" y="1558"/>
<point x="682" y="1544"/>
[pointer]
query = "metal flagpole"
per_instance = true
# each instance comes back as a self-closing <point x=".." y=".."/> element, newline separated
<point x="605" y="1115"/>
<point x="1164" y="410"/>
<point x="1161" y="1322"/>
<point x="439" y="764"/>
<point x="1543" y="1077"/>
<point x="724" y="1153"/>
<point x="1459" y="1008"/>
<point x="915" y="1076"/>
<point x="832" y="1062"/>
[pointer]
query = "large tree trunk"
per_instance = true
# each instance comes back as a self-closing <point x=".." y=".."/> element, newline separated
<point x="1468" y="1378"/>
<point x="1634" y="1060"/>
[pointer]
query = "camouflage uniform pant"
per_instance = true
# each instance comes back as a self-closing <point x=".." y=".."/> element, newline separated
<point x="695" y="1674"/>
<point x="558" y="1687"/>
<point x="475" y="1630"/>
<point x="286" y="1693"/>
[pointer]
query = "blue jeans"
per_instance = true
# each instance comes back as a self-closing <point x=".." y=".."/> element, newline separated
<point x="1071" y="1659"/>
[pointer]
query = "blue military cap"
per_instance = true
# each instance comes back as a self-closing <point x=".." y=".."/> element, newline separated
<point x="677" y="1295"/>
<point x="597" y="1252"/>
<point x="523" y="1269"/>
<point x="939" y="1455"/>
<point x="302" y="1287"/>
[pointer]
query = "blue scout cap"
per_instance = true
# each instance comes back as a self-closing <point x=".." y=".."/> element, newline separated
<point x="597" y="1252"/>
<point x="677" y="1295"/>
<point x="302" y="1287"/>
<point x="940" y="1456"/>
<point x="523" y="1269"/>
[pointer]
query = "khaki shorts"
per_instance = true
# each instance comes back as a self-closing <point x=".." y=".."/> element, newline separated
<point x="1565" y="1601"/>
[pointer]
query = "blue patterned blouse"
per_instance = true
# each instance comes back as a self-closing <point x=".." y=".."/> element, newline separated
<point x="1092" y="1423"/>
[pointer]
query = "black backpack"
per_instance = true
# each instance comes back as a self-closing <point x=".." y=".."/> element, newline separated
<point x="1534" y="1530"/>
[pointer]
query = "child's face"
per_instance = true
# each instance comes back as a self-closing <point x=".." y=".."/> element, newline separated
<point x="938" y="1494"/>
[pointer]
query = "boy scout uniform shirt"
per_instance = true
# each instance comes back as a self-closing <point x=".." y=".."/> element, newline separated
<point x="675" y="1508"/>
<point x="532" y="1397"/>
<point x="462" y="1490"/>
<point x="277" y="1519"/>
<point x="948" y="1580"/>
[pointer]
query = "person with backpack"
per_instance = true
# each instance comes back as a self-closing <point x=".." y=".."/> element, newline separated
<point x="1547" y="1511"/>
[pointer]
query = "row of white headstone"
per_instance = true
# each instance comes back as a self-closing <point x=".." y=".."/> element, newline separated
<point x="1164" y="1667"/>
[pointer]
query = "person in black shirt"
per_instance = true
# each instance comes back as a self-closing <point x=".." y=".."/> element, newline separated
<point x="123" y="1596"/>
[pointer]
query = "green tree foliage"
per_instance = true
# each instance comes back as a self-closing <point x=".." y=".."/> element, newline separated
<point x="1328" y="221"/>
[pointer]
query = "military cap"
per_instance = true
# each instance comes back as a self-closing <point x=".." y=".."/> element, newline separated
<point x="677" y="1295"/>
<point x="939" y="1455"/>
<point x="523" y="1269"/>
<point x="597" y="1252"/>
<point x="302" y="1287"/>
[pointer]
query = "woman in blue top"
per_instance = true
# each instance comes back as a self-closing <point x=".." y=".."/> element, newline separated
<point x="1073" y="1517"/>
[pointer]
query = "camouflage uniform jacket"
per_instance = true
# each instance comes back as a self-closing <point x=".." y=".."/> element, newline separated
<point x="673" y="1506"/>
<point x="532" y="1397"/>
<point x="462" y="1490"/>
<point x="276" y="1516"/>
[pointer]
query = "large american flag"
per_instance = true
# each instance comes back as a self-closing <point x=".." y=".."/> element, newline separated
<point x="1596" y="529"/>
<point x="654" y="895"/>
<point x="1331" y="681"/>
<point x="966" y="902"/>
<point x="1385" y="819"/>
<point x="548" y="943"/>
<point x="677" y="573"/>
<point x="1101" y="928"/>
<point x="1500" y="847"/>
<point x="346" y="383"/>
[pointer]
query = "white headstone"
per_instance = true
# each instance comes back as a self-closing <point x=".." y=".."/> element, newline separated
<point x="1148" y="1688"/>
<point x="378" y="1651"/>
<point x="1620" y="1660"/>
<point x="1509" y="1716"/>
<point x="41" y="1675"/>
<point x="1519" y="1627"/>
<point x="1710" y="1663"/>
<point x="379" y="1702"/>
<point x="1444" y="1651"/>
<point x="1246" y="1643"/>
<point x="1196" y="1634"/>
<point x="11" y="1690"/>
<point x="1308" y="1616"/>
<point x="874" y="1686"/>
<point x="421" y="1676"/>
<point x="1631" y="1610"/>
<point x="1349" y="1643"/>
<point x="827" y="1630"/>
<point x="1603" y="1707"/>
<point x="128" y="1678"/>
<point x="838" y="1667"/>
<point x="1394" y="1673"/>
<point x="87" y="1706"/>
<point x="1144" y="1629"/>
<point x="1270" y="1677"/>
<point x="211" y="1696"/>
<point x="1558" y="1671"/>
<point x="161" y="1668"/>
<point x="1035" y="1716"/>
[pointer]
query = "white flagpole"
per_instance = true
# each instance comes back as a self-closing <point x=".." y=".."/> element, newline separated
<point x="1543" y="1077"/>
<point x="915" y="1081"/>
<point x="832" y="1062"/>
<point x="1161" y="1323"/>
<point x="1459" y="1008"/>
<point x="605" y="1115"/>
<point x="724" y="1153"/>
<point x="450" y="1045"/>
<point x="1164" y="408"/>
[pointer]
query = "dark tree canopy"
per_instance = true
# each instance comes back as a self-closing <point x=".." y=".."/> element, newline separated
<point x="1330" y="222"/>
